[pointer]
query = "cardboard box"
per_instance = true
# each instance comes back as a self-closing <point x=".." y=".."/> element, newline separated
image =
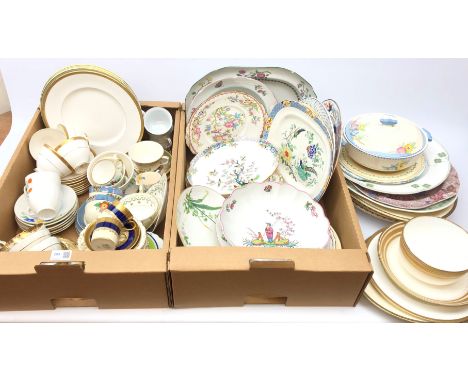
<point x="234" y="276"/>
<point x="106" y="279"/>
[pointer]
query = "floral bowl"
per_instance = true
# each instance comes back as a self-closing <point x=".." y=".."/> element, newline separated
<point x="384" y="142"/>
<point x="273" y="215"/>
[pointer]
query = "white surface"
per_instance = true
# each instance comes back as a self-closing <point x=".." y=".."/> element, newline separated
<point x="432" y="93"/>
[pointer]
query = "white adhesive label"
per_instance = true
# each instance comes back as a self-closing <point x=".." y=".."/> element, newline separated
<point x="61" y="255"/>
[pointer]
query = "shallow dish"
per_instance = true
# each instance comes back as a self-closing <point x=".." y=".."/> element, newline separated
<point x="273" y="215"/>
<point x="159" y="191"/>
<point x="197" y="212"/>
<point x="306" y="153"/>
<point x="226" y="166"/>
<point x="225" y="117"/>
<point x="144" y="207"/>
<point x="384" y="142"/>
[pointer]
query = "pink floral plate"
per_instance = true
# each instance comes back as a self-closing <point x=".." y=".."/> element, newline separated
<point x="273" y="215"/>
<point x="448" y="189"/>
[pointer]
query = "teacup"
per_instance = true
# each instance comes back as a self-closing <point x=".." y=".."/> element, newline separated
<point x="46" y="244"/>
<point x="106" y="234"/>
<point x="107" y="171"/>
<point x="145" y="180"/>
<point x="44" y="192"/>
<point x="76" y="151"/>
<point x="146" y="155"/>
<point x="26" y="238"/>
<point x="158" y="124"/>
<point x="50" y="160"/>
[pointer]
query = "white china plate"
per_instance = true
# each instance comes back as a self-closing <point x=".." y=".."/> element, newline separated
<point x="247" y="85"/>
<point x="284" y="83"/>
<point x="424" y="311"/>
<point x="159" y="191"/>
<point x="144" y="207"/>
<point x="305" y="150"/>
<point x="224" y="117"/>
<point x="335" y="114"/>
<point x="197" y="212"/>
<point x="88" y="101"/>
<point x="438" y="243"/>
<point x="436" y="171"/>
<point x="273" y="215"/>
<point x="229" y="165"/>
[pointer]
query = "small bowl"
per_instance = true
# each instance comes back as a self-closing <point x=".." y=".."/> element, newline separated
<point x="49" y="160"/>
<point x="384" y="142"/>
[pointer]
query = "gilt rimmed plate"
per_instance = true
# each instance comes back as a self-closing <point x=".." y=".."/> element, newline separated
<point x="93" y="101"/>
<point x="423" y="311"/>
<point x="226" y="166"/>
<point x="284" y="83"/>
<point x="273" y="215"/>
<point x="306" y="154"/>
<point x="437" y="170"/>
<point x="196" y="213"/>
<point x="246" y="85"/>
<point x="224" y="117"/>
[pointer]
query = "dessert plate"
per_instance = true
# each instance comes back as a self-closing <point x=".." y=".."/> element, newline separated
<point x="436" y="172"/>
<point x="413" y="280"/>
<point x="197" y="212"/>
<point x="423" y="311"/>
<point x="93" y="101"/>
<point x="284" y="83"/>
<point x="306" y="154"/>
<point x="437" y="243"/>
<point x="365" y="174"/>
<point x="273" y="215"/>
<point x="159" y="191"/>
<point x="224" y="117"/>
<point x="246" y="85"/>
<point x="226" y="166"/>
<point x="447" y="190"/>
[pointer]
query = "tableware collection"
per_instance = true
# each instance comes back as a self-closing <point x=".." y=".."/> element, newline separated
<point x="265" y="149"/>
<point x="396" y="170"/>
<point x="93" y="143"/>
<point x="420" y="270"/>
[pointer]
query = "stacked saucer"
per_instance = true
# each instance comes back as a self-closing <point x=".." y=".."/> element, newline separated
<point x="395" y="170"/>
<point x="37" y="238"/>
<point x="78" y="181"/>
<point x="420" y="270"/>
<point x="26" y="219"/>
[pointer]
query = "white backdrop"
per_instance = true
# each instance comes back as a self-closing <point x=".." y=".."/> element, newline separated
<point x="433" y="93"/>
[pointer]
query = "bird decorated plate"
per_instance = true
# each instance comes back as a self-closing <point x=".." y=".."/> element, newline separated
<point x="273" y="215"/>
<point x="305" y="149"/>
<point x="226" y="166"/>
<point x="224" y="117"/>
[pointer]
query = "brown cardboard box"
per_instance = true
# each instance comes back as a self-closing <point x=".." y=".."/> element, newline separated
<point x="233" y="276"/>
<point x="123" y="279"/>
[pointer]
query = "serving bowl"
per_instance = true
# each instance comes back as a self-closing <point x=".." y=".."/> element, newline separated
<point x="384" y="142"/>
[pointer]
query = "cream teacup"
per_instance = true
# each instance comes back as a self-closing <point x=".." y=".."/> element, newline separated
<point x="107" y="171"/>
<point x="106" y="234"/>
<point x="76" y="151"/>
<point x="44" y="193"/>
<point x="145" y="180"/>
<point x="50" y="160"/>
<point x="46" y="244"/>
<point x="146" y="155"/>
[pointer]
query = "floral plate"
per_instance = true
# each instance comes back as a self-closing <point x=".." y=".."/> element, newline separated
<point x="246" y="85"/>
<point x="197" y="211"/>
<point x="335" y="114"/>
<point x="306" y="154"/>
<point x="226" y="166"/>
<point x="275" y="215"/>
<point x="284" y="83"/>
<point x="436" y="172"/>
<point x="224" y="117"/>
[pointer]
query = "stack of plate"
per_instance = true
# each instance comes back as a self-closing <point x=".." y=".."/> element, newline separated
<point x="26" y="220"/>
<point x="420" y="270"/>
<point x="396" y="171"/>
<point x="78" y="182"/>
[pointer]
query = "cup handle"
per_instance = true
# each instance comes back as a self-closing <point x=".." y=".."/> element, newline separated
<point x="428" y="134"/>
<point x="64" y="129"/>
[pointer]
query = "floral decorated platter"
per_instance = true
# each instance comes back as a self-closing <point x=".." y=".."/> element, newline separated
<point x="362" y="173"/>
<point x="226" y="166"/>
<point x="447" y="190"/>
<point x="224" y="117"/>
<point x="284" y="83"/>
<point x="159" y="191"/>
<point x="436" y="172"/>
<point x="247" y="85"/>
<point x="334" y="110"/>
<point x="220" y="235"/>
<point x="274" y="215"/>
<point x="197" y="212"/>
<point x="306" y="154"/>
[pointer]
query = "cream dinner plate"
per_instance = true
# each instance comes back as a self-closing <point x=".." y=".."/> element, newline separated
<point x="404" y="302"/>
<point x="224" y="117"/>
<point x="436" y="172"/>
<point x="92" y="101"/>
<point x="306" y="154"/>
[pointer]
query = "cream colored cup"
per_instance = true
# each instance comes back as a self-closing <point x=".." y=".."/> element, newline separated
<point x="47" y="244"/>
<point x="108" y="171"/>
<point x="146" y="156"/>
<point x="44" y="193"/>
<point x="76" y="151"/>
<point x="49" y="160"/>
<point x="32" y="238"/>
<point x="145" y="180"/>
<point x="106" y="234"/>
